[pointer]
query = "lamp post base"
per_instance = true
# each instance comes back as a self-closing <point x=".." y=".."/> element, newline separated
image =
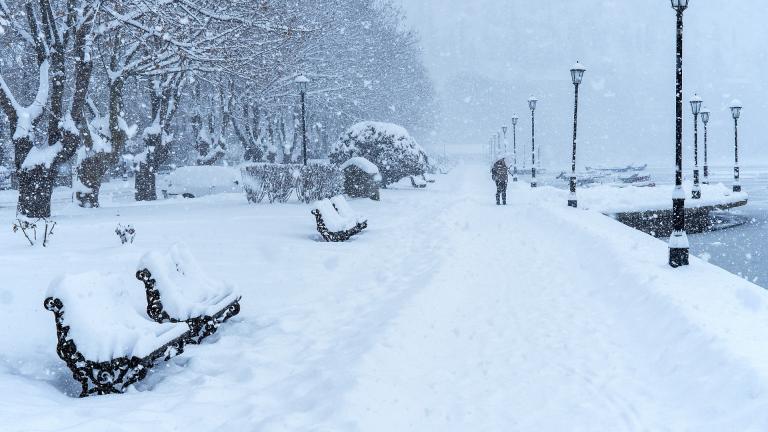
<point x="533" y="184"/>
<point x="678" y="257"/>
<point x="678" y="249"/>
<point x="573" y="203"/>
<point x="737" y="188"/>
<point x="696" y="193"/>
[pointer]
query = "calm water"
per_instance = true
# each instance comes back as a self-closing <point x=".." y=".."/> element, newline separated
<point x="742" y="250"/>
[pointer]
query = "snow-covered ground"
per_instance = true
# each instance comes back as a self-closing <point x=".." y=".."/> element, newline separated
<point x="612" y="199"/>
<point x="448" y="314"/>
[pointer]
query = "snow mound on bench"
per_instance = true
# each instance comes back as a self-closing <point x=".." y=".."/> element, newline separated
<point x="345" y="210"/>
<point x="333" y="220"/>
<point x="107" y="316"/>
<point x="185" y="290"/>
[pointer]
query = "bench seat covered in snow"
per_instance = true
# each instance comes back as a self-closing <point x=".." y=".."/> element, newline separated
<point x="418" y="182"/>
<point x="103" y="334"/>
<point x="178" y="290"/>
<point x="336" y="221"/>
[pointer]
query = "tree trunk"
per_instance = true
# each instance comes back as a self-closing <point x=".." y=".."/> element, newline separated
<point x="35" y="190"/>
<point x="93" y="169"/>
<point x="146" y="189"/>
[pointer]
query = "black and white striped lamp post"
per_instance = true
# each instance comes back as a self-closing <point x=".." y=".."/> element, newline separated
<point x="696" y="102"/>
<point x="705" y="119"/>
<point x="577" y="74"/>
<point x="532" y="105"/>
<point x="302" y="83"/>
<point x="515" y="118"/>
<point x="678" y="241"/>
<point x="736" y="113"/>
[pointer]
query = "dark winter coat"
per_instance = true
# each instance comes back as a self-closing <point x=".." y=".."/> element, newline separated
<point x="499" y="172"/>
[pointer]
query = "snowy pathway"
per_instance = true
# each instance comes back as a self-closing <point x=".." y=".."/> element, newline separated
<point x="448" y="314"/>
<point x="531" y="325"/>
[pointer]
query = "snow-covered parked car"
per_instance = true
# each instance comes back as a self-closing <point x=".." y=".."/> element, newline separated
<point x="197" y="181"/>
<point x="5" y="178"/>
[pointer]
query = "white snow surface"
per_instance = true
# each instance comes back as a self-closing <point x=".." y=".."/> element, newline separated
<point x="449" y="314"/>
<point x="364" y="164"/>
<point x="611" y="199"/>
<point x="42" y="154"/>
<point x="185" y="290"/>
<point x="107" y="316"/>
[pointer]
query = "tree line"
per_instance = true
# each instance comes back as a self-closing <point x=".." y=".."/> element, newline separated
<point x="90" y="84"/>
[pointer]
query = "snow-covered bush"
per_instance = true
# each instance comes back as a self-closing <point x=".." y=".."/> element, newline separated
<point x="277" y="182"/>
<point x="318" y="181"/>
<point x="390" y="147"/>
<point x="361" y="178"/>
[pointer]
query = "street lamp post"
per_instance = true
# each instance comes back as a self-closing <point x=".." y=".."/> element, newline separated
<point x="302" y="83"/>
<point x="504" y="132"/>
<point x="515" y="118"/>
<point x="532" y="105"/>
<point x="736" y="113"/>
<point x="678" y="241"/>
<point x="696" y="109"/>
<point x="705" y="120"/>
<point x="577" y="74"/>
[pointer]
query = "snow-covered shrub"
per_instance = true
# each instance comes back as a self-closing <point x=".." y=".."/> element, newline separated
<point x="361" y="178"/>
<point x="277" y="182"/>
<point x="28" y="227"/>
<point x="318" y="181"/>
<point x="390" y="147"/>
<point x="125" y="233"/>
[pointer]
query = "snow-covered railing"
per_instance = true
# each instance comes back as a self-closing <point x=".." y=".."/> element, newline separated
<point x="178" y="290"/>
<point x="336" y="221"/>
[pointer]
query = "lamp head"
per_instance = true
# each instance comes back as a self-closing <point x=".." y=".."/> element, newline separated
<point x="736" y="109"/>
<point x="532" y="103"/>
<point x="696" y="102"/>
<point x="577" y="73"/>
<point x="302" y="83"/>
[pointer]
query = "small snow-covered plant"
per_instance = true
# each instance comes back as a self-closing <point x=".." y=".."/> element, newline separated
<point x="125" y="233"/>
<point x="390" y="147"/>
<point x="29" y="228"/>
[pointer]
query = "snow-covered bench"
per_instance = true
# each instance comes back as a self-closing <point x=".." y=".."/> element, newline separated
<point x="178" y="291"/>
<point x="103" y="334"/>
<point x="418" y="182"/>
<point x="336" y="221"/>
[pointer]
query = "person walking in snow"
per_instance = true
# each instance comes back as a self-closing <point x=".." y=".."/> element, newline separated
<point x="500" y="175"/>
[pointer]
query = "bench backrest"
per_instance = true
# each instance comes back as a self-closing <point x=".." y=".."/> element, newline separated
<point x="334" y="221"/>
<point x="345" y="210"/>
<point x="185" y="290"/>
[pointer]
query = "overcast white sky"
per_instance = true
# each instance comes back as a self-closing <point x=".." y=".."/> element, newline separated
<point x="488" y="56"/>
